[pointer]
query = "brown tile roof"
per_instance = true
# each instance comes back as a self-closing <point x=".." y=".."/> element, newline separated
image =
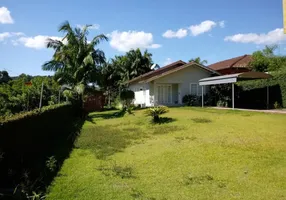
<point x="237" y="62"/>
<point x="173" y="67"/>
<point x="158" y="71"/>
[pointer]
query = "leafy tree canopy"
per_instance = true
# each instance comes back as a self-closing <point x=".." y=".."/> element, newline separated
<point x="76" y="61"/>
<point x="4" y="77"/>
<point x="265" y="60"/>
<point x="199" y="61"/>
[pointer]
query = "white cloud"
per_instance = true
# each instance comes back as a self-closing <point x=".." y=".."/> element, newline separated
<point x="14" y="42"/>
<point x="168" y="61"/>
<point x="221" y="24"/>
<point x="124" y="41"/>
<point x="5" y="17"/>
<point x="5" y="35"/>
<point x="37" y="42"/>
<point x="93" y="26"/>
<point x="176" y="34"/>
<point x="203" y="27"/>
<point x="272" y="37"/>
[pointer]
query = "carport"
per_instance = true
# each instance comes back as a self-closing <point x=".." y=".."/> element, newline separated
<point x="233" y="78"/>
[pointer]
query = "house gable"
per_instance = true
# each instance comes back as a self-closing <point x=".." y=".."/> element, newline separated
<point x="159" y="71"/>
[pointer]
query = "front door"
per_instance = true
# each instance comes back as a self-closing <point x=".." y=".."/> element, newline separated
<point x="164" y="93"/>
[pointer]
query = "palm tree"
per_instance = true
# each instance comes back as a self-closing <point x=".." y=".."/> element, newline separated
<point x="199" y="61"/>
<point x="75" y="61"/>
<point x="132" y="64"/>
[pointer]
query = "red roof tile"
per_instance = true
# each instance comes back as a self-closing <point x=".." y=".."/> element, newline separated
<point x="237" y="62"/>
<point x="158" y="71"/>
<point x="171" y="68"/>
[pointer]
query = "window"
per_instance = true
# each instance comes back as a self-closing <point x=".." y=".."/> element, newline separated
<point x="194" y="89"/>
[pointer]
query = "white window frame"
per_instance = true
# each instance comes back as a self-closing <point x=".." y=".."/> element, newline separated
<point x="198" y="88"/>
<point x="171" y="92"/>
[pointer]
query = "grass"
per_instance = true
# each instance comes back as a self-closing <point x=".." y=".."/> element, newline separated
<point x="199" y="154"/>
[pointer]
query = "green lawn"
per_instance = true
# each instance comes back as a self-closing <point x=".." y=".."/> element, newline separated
<point x="199" y="154"/>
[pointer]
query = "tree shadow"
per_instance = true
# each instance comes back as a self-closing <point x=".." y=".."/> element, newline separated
<point x="163" y="120"/>
<point x="90" y="119"/>
<point x="109" y="115"/>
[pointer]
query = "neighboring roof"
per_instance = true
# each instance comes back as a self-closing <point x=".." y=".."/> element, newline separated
<point x="233" y="78"/>
<point x="159" y="73"/>
<point x="237" y="62"/>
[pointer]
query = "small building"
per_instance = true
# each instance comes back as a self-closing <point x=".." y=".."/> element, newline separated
<point x="94" y="102"/>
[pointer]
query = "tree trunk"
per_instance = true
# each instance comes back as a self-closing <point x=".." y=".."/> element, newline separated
<point x="156" y="118"/>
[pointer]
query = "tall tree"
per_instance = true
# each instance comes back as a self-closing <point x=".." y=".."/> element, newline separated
<point x="116" y="73"/>
<point x="4" y="77"/>
<point x="266" y="60"/>
<point x="199" y="61"/>
<point x="132" y="64"/>
<point x="76" y="61"/>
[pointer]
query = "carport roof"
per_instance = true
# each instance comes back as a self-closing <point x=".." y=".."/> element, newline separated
<point x="233" y="78"/>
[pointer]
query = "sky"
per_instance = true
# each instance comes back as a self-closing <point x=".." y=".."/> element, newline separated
<point x="171" y="30"/>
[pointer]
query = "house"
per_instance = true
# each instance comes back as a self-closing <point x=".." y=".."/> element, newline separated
<point x="169" y="84"/>
<point x="233" y="66"/>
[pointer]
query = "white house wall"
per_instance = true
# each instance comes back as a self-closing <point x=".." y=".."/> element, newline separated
<point x="185" y="77"/>
<point x="142" y="93"/>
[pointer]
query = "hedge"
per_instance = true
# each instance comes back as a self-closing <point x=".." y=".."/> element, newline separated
<point x="28" y="139"/>
<point x="254" y="92"/>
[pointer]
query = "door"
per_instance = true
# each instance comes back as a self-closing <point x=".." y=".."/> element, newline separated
<point x="164" y="93"/>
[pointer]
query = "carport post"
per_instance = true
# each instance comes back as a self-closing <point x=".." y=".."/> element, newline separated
<point x="267" y="97"/>
<point x="202" y="96"/>
<point x="232" y="95"/>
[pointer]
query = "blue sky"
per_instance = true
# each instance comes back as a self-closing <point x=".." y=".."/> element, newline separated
<point x="170" y="30"/>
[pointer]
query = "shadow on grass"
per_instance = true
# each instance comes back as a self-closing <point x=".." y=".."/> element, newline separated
<point x="163" y="120"/>
<point x="90" y="119"/>
<point x="104" y="141"/>
<point x="108" y="115"/>
<point x="165" y="129"/>
<point x="201" y="120"/>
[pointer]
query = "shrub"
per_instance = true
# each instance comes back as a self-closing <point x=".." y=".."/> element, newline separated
<point x="277" y="105"/>
<point x="155" y="112"/>
<point x="191" y="100"/>
<point x="127" y="97"/>
<point x="27" y="139"/>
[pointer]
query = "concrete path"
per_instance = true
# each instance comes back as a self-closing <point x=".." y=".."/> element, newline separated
<point x="280" y="111"/>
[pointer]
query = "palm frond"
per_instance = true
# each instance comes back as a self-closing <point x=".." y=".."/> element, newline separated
<point x="97" y="39"/>
<point x="54" y="44"/>
<point x="52" y="65"/>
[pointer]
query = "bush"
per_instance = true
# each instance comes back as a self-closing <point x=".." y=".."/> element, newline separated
<point x="191" y="100"/>
<point x="127" y="97"/>
<point x="155" y="112"/>
<point x="28" y="140"/>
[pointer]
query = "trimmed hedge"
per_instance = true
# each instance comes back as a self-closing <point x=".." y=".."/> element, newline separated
<point x="28" y="139"/>
<point x="254" y="92"/>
